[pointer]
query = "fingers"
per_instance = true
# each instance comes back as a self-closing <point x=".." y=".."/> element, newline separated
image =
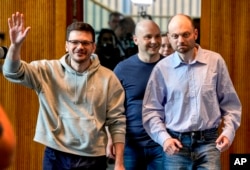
<point x="219" y="139"/>
<point x="17" y="30"/>
<point x="172" y="149"/>
<point x="172" y="146"/>
<point x="16" y="19"/>
<point x="222" y="143"/>
<point x="222" y="147"/>
<point x="22" y="24"/>
<point x="178" y="144"/>
<point x="10" y="23"/>
<point x="111" y="156"/>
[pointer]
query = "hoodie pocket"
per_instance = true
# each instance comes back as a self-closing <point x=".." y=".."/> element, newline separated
<point x="75" y="131"/>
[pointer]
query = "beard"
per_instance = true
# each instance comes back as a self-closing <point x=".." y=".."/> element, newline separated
<point x="184" y="48"/>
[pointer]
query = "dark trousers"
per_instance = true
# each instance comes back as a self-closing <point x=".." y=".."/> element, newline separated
<point x="57" y="160"/>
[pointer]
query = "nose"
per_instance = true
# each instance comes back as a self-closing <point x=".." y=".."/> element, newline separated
<point x="80" y="45"/>
<point x="180" y="38"/>
<point x="154" y="40"/>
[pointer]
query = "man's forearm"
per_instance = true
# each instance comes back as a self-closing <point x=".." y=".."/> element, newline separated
<point x="14" y="52"/>
<point x="119" y="151"/>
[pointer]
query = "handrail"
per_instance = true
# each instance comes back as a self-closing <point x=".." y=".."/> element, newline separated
<point x="102" y="6"/>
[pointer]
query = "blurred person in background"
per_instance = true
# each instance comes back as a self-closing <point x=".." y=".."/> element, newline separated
<point x="7" y="141"/>
<point x="107" y="50"/>
<point x="166" y="48"/>
<point x="124" y="33"/>
<point x="114" y="18"/>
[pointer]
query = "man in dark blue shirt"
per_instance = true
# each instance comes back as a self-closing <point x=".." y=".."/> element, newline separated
<point x="141" y="152"/>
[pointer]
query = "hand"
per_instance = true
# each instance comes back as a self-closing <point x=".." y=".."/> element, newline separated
<point x="222" y="143"/>
<point x="172" y="146"/>
<point x="110" y="149"/>
<point x="17" y="30"/>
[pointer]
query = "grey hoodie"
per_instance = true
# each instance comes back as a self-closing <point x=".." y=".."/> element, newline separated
<point x="74" y="107"/>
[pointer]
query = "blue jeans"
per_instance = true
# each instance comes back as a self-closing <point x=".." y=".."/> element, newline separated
<point x="57" y="160"/>
<point x="143" y="158"/>
<point x="199" y="152"/>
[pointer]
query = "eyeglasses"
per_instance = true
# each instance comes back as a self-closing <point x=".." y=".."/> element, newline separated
<point x="84" y="43"/>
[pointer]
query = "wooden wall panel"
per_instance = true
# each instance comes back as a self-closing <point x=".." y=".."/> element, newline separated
<point x="74" y="11"/>
<point x="46" y="40"/>
<point x="225" y="29"/>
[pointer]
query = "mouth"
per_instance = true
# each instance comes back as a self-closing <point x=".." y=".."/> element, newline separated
<point x="80" y="53"/>
<point x="154" y="48"/>
<point x="182" y="46"/>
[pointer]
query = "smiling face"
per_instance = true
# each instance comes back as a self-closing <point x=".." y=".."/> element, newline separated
<point x="148" y="38"/>
<point x="80" y="46"/>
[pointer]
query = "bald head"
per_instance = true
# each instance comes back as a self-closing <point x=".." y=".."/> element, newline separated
<point x="180" y="20"/>
<point x="144" y="25"/>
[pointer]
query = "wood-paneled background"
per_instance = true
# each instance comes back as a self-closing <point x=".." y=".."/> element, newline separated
<point x="46" y="40"/>
<point x="224" y="28"/>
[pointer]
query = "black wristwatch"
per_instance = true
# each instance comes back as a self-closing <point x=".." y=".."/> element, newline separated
<point x="1" y="129"/>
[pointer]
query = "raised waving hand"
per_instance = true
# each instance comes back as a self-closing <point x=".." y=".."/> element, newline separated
<point x="17" y="29"/>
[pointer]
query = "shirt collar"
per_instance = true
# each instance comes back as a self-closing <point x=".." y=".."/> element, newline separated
<point x="198" y="59"/>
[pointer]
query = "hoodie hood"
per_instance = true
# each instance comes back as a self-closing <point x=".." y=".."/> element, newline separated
<point x="79" y="80"/>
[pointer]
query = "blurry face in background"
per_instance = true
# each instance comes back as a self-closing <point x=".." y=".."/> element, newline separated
<point x="113" y="23"/>
<point x="107" y="38"/>
<point x="166" y="48"/>
<point x="119" y="32"/>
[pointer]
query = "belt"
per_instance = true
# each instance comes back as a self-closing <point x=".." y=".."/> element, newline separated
<point x="194" y="134"/>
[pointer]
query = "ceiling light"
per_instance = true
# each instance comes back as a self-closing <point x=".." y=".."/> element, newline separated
<point x="142" y="2"/>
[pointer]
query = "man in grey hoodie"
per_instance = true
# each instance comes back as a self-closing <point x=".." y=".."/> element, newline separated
<point x="78" y="97"/>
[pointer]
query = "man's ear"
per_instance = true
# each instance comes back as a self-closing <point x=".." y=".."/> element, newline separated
<point x="66" y="48"/>
<point x="94" y="48"/>
<point x="196" y="33"/>
<point x="135" y="39"/>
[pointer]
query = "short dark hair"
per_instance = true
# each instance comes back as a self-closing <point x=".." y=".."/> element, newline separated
<point x="127" y="24"/>
<point x="102" y="32"/>
<point x="80" y="26"/>
<point x="115" y="13"/>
